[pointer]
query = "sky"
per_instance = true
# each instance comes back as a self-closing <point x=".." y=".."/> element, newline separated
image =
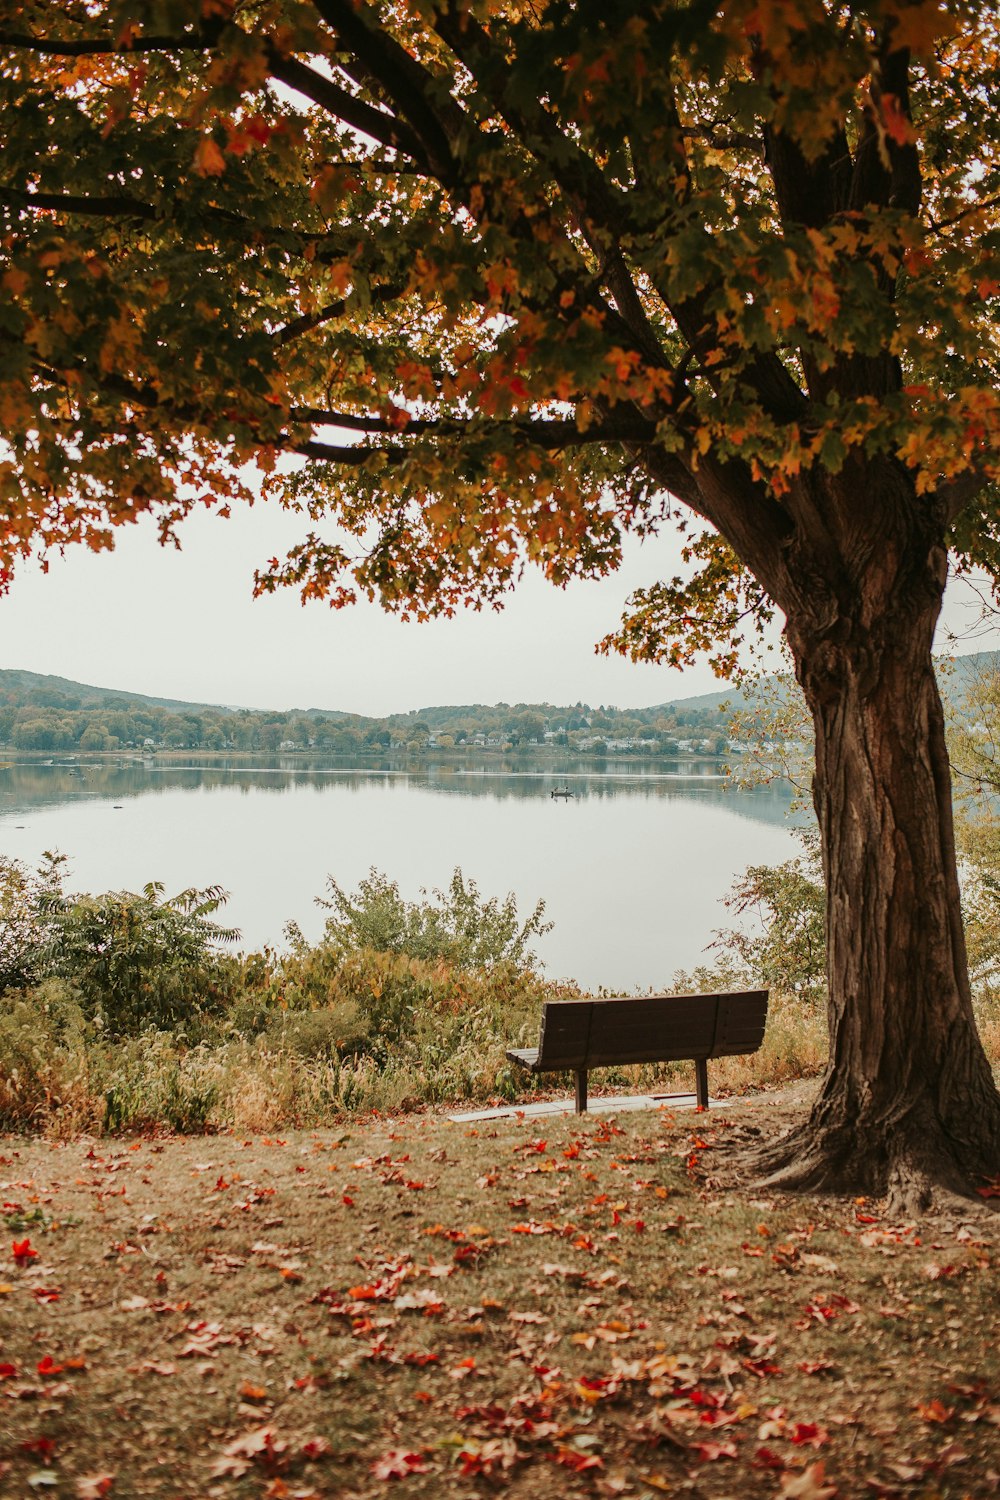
<point x="153" y="620"/>
<point x="184" y="625"/>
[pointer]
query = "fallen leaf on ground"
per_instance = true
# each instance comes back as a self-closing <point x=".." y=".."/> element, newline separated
<point x="398" y="1463"/>
<point x="94" y="1486"/>
<point x="809" y="1485"/>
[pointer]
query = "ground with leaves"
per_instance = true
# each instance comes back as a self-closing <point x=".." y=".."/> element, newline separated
<point x="582" y="1306"/>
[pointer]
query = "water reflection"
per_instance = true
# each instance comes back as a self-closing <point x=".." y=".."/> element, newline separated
<point x="35" y="784"/>
<point x="632" y="867"/>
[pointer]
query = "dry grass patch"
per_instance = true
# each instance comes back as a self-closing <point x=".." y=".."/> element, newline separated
<point x="564" y="1306"/>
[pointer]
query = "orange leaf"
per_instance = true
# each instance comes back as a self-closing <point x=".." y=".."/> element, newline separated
<point x="809" y="1485"/>
<point x="208" y="159"/>
<point x="897" y="125"/>
<point x="935" y="1411"/>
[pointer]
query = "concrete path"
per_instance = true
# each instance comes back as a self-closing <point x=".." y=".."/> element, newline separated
<point x="602" y="1104"/>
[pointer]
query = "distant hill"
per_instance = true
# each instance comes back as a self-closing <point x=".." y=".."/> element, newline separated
<point x="53" y="696"/>
<point x="38" y="687"/>
<point x="955" y="675"/>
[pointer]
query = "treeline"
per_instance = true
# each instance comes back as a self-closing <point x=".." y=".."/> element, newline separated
<point x="38" y="716"/>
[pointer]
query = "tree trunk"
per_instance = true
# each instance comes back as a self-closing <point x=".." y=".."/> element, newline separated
<point x="908" y="1103"/>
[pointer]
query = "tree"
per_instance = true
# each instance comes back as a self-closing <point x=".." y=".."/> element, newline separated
<point x="506" y="281"/>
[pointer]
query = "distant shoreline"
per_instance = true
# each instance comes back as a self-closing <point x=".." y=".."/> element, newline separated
<point x="538" y="753"/>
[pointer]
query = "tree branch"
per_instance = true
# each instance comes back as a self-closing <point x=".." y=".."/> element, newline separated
<point x="538" y="131"/>
<point x="955" y="494"/>
<point x="133" y="208"/>
<point x="938" y="226"/>
<point x="83" y="204"/>
<point x="434" y="117"/>
<point x="548" y="433"/>
<point x="376" y="123"/>
<point x="89" y="47"/>
<point x="308" y="321"/>
<point x="353" y="456"/>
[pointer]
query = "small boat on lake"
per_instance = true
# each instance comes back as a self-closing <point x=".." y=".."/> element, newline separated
<point x="562" y="791"/>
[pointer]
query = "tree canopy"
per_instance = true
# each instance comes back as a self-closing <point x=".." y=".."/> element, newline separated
<point x="545" y="268"/>
<point x="508" y="279"/>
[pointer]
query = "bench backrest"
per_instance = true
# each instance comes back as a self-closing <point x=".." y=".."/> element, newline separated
<point x="650" y="1028"/>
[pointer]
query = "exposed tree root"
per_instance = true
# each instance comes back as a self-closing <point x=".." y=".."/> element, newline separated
<point x="913" y="1162"/>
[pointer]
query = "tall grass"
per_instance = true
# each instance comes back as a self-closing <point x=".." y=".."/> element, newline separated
<point x="424" y="1034"/>
<point x="264" y="1042"/>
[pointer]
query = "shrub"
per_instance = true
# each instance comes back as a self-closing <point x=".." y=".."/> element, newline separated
<point x="458" y="924"/>
<point x="26" y="902"/>
<point x="139" y="961"/>
<point x="787" y="950"/>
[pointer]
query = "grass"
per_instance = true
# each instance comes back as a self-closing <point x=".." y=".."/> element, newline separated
<point x="580" y="1307"/>
<point x="276" y="1066"/>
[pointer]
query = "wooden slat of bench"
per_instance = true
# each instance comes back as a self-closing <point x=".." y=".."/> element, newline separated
<point x="740" y="1027"/>
<point x="650" y="1029"/>
<point x="565" y="1035"/>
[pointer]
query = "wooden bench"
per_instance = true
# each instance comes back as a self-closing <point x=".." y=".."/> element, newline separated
<point x="578" y="1035"/>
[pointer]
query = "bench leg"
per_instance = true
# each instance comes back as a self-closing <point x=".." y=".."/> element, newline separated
<point x="701" y="1081"/>
<point x="581" y="1091"/>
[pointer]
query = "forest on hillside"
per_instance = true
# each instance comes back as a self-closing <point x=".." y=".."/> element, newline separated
<point x="56" y="715"/>
<point x="38" y="714"/>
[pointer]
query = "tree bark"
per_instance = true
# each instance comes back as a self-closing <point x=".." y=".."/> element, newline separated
<point x="908" y="1104"/>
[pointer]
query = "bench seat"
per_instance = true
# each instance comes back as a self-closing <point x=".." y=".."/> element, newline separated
<point x="577" y="1035"/>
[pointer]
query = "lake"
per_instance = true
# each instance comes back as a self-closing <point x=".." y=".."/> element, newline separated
<point x="632" y="868"/>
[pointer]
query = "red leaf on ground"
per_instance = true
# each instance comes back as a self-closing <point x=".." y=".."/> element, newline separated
<point x="94" y="1486"/>
<point x="260" y="1443"/>
<point x="935" y="1411"/>
<point x="22" y="1252"/>
<point x="43" y="1446"/>
<point x="570" y="1459"/>
<point x="47" y="1366"/>
<point x="709" y="1452"/>
<point x="816" y="1366"/>
<point x="317" y="1447"/>
<point x="398" y="1463"/>
<point x="808" y="1432"/>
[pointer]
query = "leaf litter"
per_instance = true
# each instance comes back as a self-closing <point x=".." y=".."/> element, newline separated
<point x="433" y="1308"/>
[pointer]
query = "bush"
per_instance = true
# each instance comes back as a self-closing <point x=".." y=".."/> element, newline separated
<point x="457" y="924"/>
<point x="787" y="951"/>
<point x="26" y="903"/>
<point x="139" y="961"/>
